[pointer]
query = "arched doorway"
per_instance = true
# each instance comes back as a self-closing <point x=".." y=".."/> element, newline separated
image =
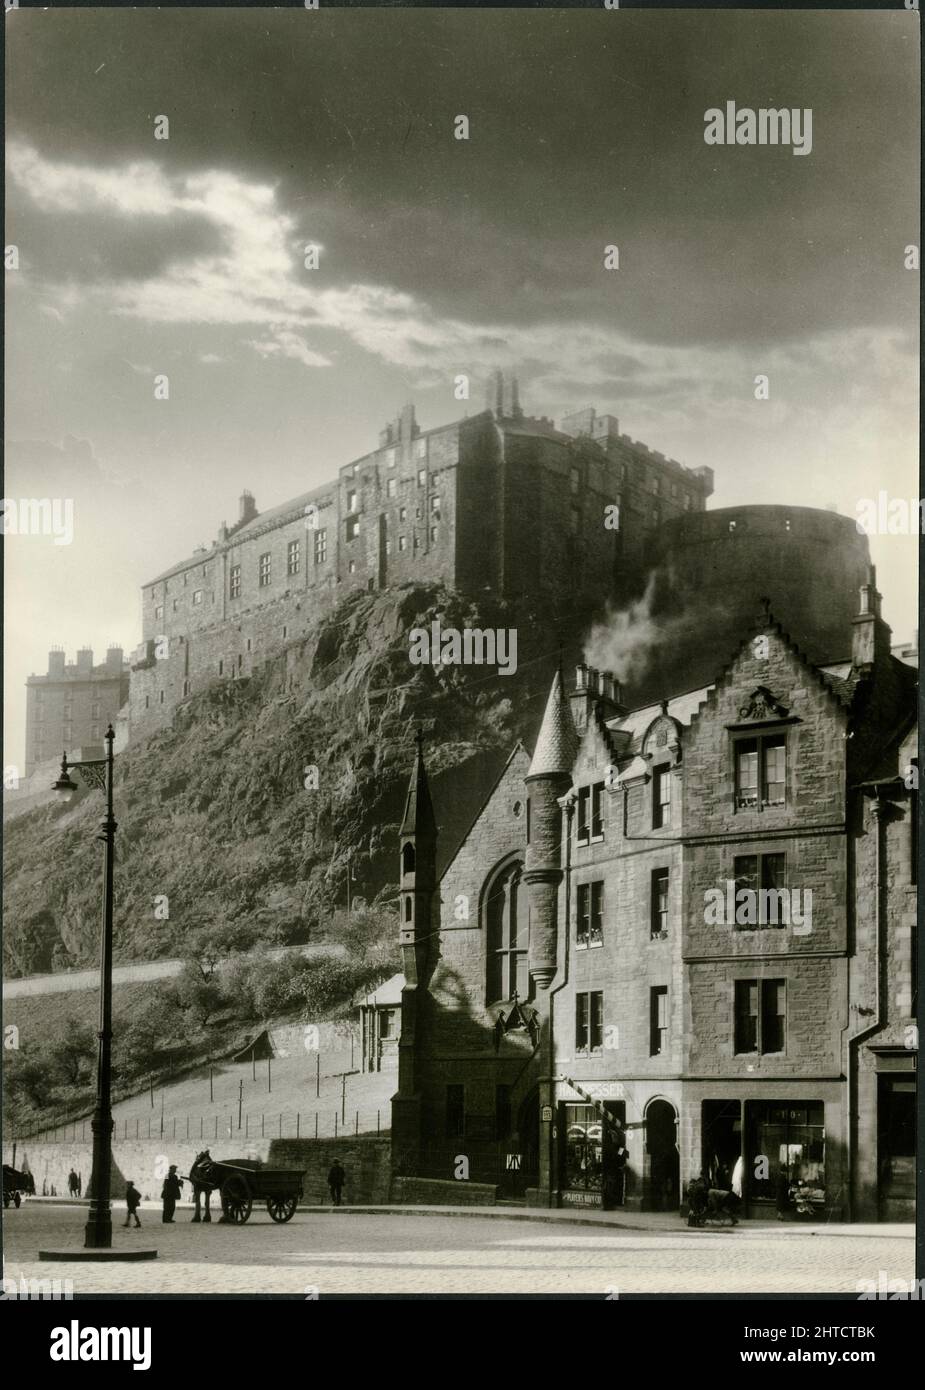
<point x="662" y="1162"/>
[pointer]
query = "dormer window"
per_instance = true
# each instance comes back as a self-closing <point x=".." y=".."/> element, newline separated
<point x="661" y="798"/>
<point x="589" y="823"/>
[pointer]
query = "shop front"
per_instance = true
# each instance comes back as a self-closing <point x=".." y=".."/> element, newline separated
<point x="592" y="1154"/>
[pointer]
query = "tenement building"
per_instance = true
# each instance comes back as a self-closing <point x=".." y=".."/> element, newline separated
<point x="498" y="500"/>
<point x="677" y="940"/>
<point x="70" y="705"/>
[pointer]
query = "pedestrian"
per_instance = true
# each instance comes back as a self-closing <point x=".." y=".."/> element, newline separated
<point x="80" y="1185"/>
<point x="336" y="1178"/>
<point x="72" y="1183"/>
<point x="132" y="1203"/>
<point x="783" y="1194"/>
<point x="738" y="1172"/>
<point x="170" y="1192"/>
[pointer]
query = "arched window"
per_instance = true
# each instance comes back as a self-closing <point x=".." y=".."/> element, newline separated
<point x="507" y="935"/>
<point x="407" y="859"/>
<point x="407" y="909"/>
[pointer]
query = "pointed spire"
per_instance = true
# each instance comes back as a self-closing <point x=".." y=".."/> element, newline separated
<point x="557" y="743"/>
<point x="419" y="809"/>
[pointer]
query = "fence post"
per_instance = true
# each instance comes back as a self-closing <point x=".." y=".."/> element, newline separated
<point x="377" y="1124"/>
<point x="216" y="1126"/>
<point x="136" y="1126"/>
<point x="356" y="1128"/>
<point x="149" y="1126"/>
<point x="335" y="1124"/>
<point x="200" y="1126"/>
<point x="247" y="1120"/>
<point x="298" y="1117"/>
<point x="174" y="1126"/>
<point x="318" y="1073"/>
<point x="187" y="1126"/>
<point x="263" y="1133"/>
<point x="316" y="1124"/>
<point x="280" y="1126"/>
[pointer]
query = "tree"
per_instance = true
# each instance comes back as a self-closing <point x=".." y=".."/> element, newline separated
<point x="72" y="1054"/>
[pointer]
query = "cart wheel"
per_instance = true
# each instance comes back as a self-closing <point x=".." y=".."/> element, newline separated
<point x="236" y="1200"/>
<point x="16" y="1199"/>
<point x="282" y="1208"/>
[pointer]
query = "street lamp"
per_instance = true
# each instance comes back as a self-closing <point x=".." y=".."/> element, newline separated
<point x="98" y="773"/>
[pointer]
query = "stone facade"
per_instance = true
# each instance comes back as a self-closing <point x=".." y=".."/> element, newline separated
<point x="498" y="500"/>
<point x="639" y="1026"/>
<point x="70" y="706"/>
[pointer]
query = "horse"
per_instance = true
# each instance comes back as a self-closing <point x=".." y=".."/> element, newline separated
<point x="201" y="1171"/>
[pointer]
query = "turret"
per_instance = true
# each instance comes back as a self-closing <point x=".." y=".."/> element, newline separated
<point x="548" y="779"/>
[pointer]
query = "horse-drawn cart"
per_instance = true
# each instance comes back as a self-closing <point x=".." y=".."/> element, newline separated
<point x="14" y="1184"/>
<point x="241" y="1182"/>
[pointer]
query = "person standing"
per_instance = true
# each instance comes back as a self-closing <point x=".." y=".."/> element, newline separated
<point x="336" y="1178"/>
<point x="72" y="1183"/>
<point x="132" y="1203"/>
<point x="170" y="1193"/>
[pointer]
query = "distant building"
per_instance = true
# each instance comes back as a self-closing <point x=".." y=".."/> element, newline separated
<point x="380" y="1020"/>
<point x="498" y="501"/>
<point x="592" y="1013"/>
<point x="70" y="706"/>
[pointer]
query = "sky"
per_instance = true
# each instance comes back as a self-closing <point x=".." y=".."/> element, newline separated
<point x="185" y="257"/>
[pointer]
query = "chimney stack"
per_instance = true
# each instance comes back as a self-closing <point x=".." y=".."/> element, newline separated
<point x="502" y="396"/>
<point x="56" y="661"/>
<point x="870" y="644"/>
<point x="247" y="507"/>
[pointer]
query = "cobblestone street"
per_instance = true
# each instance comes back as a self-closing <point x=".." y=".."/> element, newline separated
<point x="393" y="1251"/>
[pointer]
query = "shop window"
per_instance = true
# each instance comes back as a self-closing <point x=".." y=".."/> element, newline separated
<point x="455" y="1111"/>
<point x="791" y="1135"/>
<point x="591" y="1144"/>
<point x="590" y="930"/>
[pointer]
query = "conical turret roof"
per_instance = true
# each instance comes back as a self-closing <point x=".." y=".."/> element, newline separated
<point x="419" y="809"/>
<point x="557" y="744"/>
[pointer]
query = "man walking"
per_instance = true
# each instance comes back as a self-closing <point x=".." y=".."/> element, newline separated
<point x="72" y="1183"/>
<point x="170" y="1192"/>
<point x="336" y="1181"/>
<point x="132" y="1202"/>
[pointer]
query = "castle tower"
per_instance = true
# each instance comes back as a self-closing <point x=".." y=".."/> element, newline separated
<point x="549" y="778"/>
<point x="418" y="881"/>
<point x="502" y="396"/>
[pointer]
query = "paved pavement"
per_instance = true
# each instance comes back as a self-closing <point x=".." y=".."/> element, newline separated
<point x="402" y="1250"/>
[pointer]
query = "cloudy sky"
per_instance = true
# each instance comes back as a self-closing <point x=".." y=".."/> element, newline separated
<point x="185" y="257"/>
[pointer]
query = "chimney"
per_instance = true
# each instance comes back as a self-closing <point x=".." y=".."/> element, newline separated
<point x="85" y="661"/>
<point x="56" y="661"/>
<point x="247" y="507"/>
<point x="595" y="689"/>
<point x="502" y="396"/>
<point x="870" y="646"/>
<point x="114" y="660"/>
<point x="407" y="426"/>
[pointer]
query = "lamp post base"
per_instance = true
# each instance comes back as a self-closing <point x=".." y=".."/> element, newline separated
<point x="76" y="1254"/>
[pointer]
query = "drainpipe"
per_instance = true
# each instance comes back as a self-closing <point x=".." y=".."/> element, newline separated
<point x="853" y="1041"/>
<point x="567" y="803"/>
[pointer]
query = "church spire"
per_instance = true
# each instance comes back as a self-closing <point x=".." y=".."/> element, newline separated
<point x="419" y="809"/>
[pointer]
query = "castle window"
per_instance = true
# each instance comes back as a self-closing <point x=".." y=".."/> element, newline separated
<point x="658" y="1020"/>
<point x="590" y="928"/>
<point x="185" y="579"/>
<point x="420" y="448"/>
<point x="248" y="644"/>
<point x="285" y="635"/>
<point x="417" y="542"/>
<point x="687" y="501"/>
<point x="186" y="687"/>
<point x="197" y="596"/>
<point x="293" y="557"/>
<point x="402" y="543"/>
<point x="435" y="504"/>
<point x="390" y="460"/>
<point x="353" y="527"/>
<point x="159" y="611"/>
<point x="221" y="668"/>
<point x="659" y="903"/>
<point x="388" y="546"/>
<point x="407" y="859"/>
<point x="351" y="501"/>
<point x="761" y="762"/>
<point x="321" y="547"/>
<point x="403" y="513"/>
<point x="352" y="567"/>
<point x="589" y="1021"/>
<point x="160" y="696"/>
<point x="234" y="582"/>
<point x="390" y="487"/>
<point x="433" y="535"/>
<point x="263" y="572"/>
<point x="241" y="659"/>
<point x="574" y="477"/>
<point x="422" y="477"/>
<point x="661" y="797"/>
<point x="147" y="702"/>
<point x="507" y="935"/>
<point x="407" y="909"/>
